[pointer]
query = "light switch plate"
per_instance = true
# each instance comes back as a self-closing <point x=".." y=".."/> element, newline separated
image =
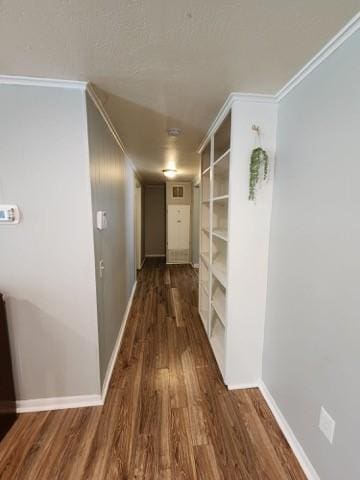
<point x="327" y="424"/>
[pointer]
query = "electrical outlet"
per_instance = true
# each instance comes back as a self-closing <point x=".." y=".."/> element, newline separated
<point x="327" y="425"/>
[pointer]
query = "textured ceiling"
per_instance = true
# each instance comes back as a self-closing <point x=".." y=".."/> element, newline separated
<point x="161" y="63"/>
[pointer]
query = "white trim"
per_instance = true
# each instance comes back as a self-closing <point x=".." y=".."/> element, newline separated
<point x="78" y="401"/>
<point x="155" y="255"/>
<point x="295" y="445"/>
<point x="57" y="403"/>
<point x="101" y="109"/>
<point x="346" y="32"/>
<point x="224" y="110"/>
<point x="349" y="29"/>
<point x="72" y="84"/>
<point x="142" y="263"/>
<point x="244" y="386"/>
<point x="41" y="82"/>
<point x="195" y="265"/>
<point x="117" y="345"/>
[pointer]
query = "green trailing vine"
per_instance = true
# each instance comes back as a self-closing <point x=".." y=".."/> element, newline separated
<point x="259" y="158"/>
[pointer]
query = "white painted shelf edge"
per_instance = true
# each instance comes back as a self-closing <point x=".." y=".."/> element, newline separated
<point x="219" y="233"/>
<point x="220" y="274"/>
<point x="217" y="344"/>
<point x="205" y="287"/>
<point x="203" y="314"/>
<point x="206" y="258"/>
<point x="224" y="155"/>
<point x="221" y="198"/>
<point x="220" y="310"/>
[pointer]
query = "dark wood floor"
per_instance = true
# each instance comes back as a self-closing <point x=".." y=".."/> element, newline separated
<point x="167" y="414"/>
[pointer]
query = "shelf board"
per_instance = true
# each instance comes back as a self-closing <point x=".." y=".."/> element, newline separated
<point x="220" y="274"/>
<point x="205" y="257"/>
<point x="224" y="155"/>
<point x="220" y="233"/>
<point x="221" y="199"/>
<point x="204" y="172"/>
<point x="220" y="310"/>
<point x="217" y="342"/>
<point x="203" y="315"/>
<point x="205" y="287"/>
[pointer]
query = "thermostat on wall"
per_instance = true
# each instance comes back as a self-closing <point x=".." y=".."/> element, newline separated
<point x="9" y="214"/>
<point x="101" y="220"/>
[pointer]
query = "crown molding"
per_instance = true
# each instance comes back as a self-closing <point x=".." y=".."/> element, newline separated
<point x="346" y="32"/>
<point x="106" y="117"/>
<point x="71" y="84"/>
<point x="100" y="107"/>
<point x="41" y="82"/>
<point x="231" y="99"/>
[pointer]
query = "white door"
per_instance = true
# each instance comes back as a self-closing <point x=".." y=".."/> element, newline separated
<point x="178" y="227"/>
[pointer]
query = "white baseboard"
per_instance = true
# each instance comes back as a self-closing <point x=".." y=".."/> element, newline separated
<point x="243" y="386"/>
<point x="155" y="255"/>
<point x="78" y="401"/>
<point x="57" y="403"/>
<point x="295" y="445"/>
<point x="117" y="345"/>
<point x="142" y="263"/>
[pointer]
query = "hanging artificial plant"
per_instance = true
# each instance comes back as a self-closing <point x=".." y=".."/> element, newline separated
<point x="259" y="160"/>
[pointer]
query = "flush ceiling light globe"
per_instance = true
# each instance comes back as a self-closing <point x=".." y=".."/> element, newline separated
<point x="173" y="132"/>
<point x="169" y="172"/>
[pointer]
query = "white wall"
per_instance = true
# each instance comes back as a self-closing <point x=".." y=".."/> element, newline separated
<point x="113" y="190"/>
<point x="312" y="336"/>
<point x="47" y="261"/>
<point x="248" y="245"/>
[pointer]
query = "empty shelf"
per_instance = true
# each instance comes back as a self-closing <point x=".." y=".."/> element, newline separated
<point x="224" y="155"/>
<point x="220" y="233"/>
<point x="205" y="257"/>
<point x="219" y="308"/>
<point x="217" y="341"/>
<point x="221" y="199"/>
<point x="220" y="273"/>
<point x="205" y="287"/>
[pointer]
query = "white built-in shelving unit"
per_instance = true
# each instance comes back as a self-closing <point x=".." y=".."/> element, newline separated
<point x="234" y="238"/>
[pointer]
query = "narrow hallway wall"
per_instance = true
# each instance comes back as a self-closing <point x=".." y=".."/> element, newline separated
<point x="312" y="334"/>
<point x="47" y="260"/>
<point x="113" y="191"/>
<point x="155" y="220"/>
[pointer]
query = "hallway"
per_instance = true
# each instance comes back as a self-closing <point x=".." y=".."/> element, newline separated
<point x="167" y="414"/>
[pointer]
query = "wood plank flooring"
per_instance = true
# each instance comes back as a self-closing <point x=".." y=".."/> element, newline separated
<point x="167" y="415"/>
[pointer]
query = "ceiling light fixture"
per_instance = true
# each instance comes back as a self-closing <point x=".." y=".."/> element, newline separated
<point x="173" y="132"/>
<point x="169" y="172"/>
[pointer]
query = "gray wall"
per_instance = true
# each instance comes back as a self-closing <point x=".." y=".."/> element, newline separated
<point x="195" y="224"/>
<point x="113" y="190"/>
<point x="312" y="337"/>
<point x="47" y="261"/>
<point x="155" y="220"/>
